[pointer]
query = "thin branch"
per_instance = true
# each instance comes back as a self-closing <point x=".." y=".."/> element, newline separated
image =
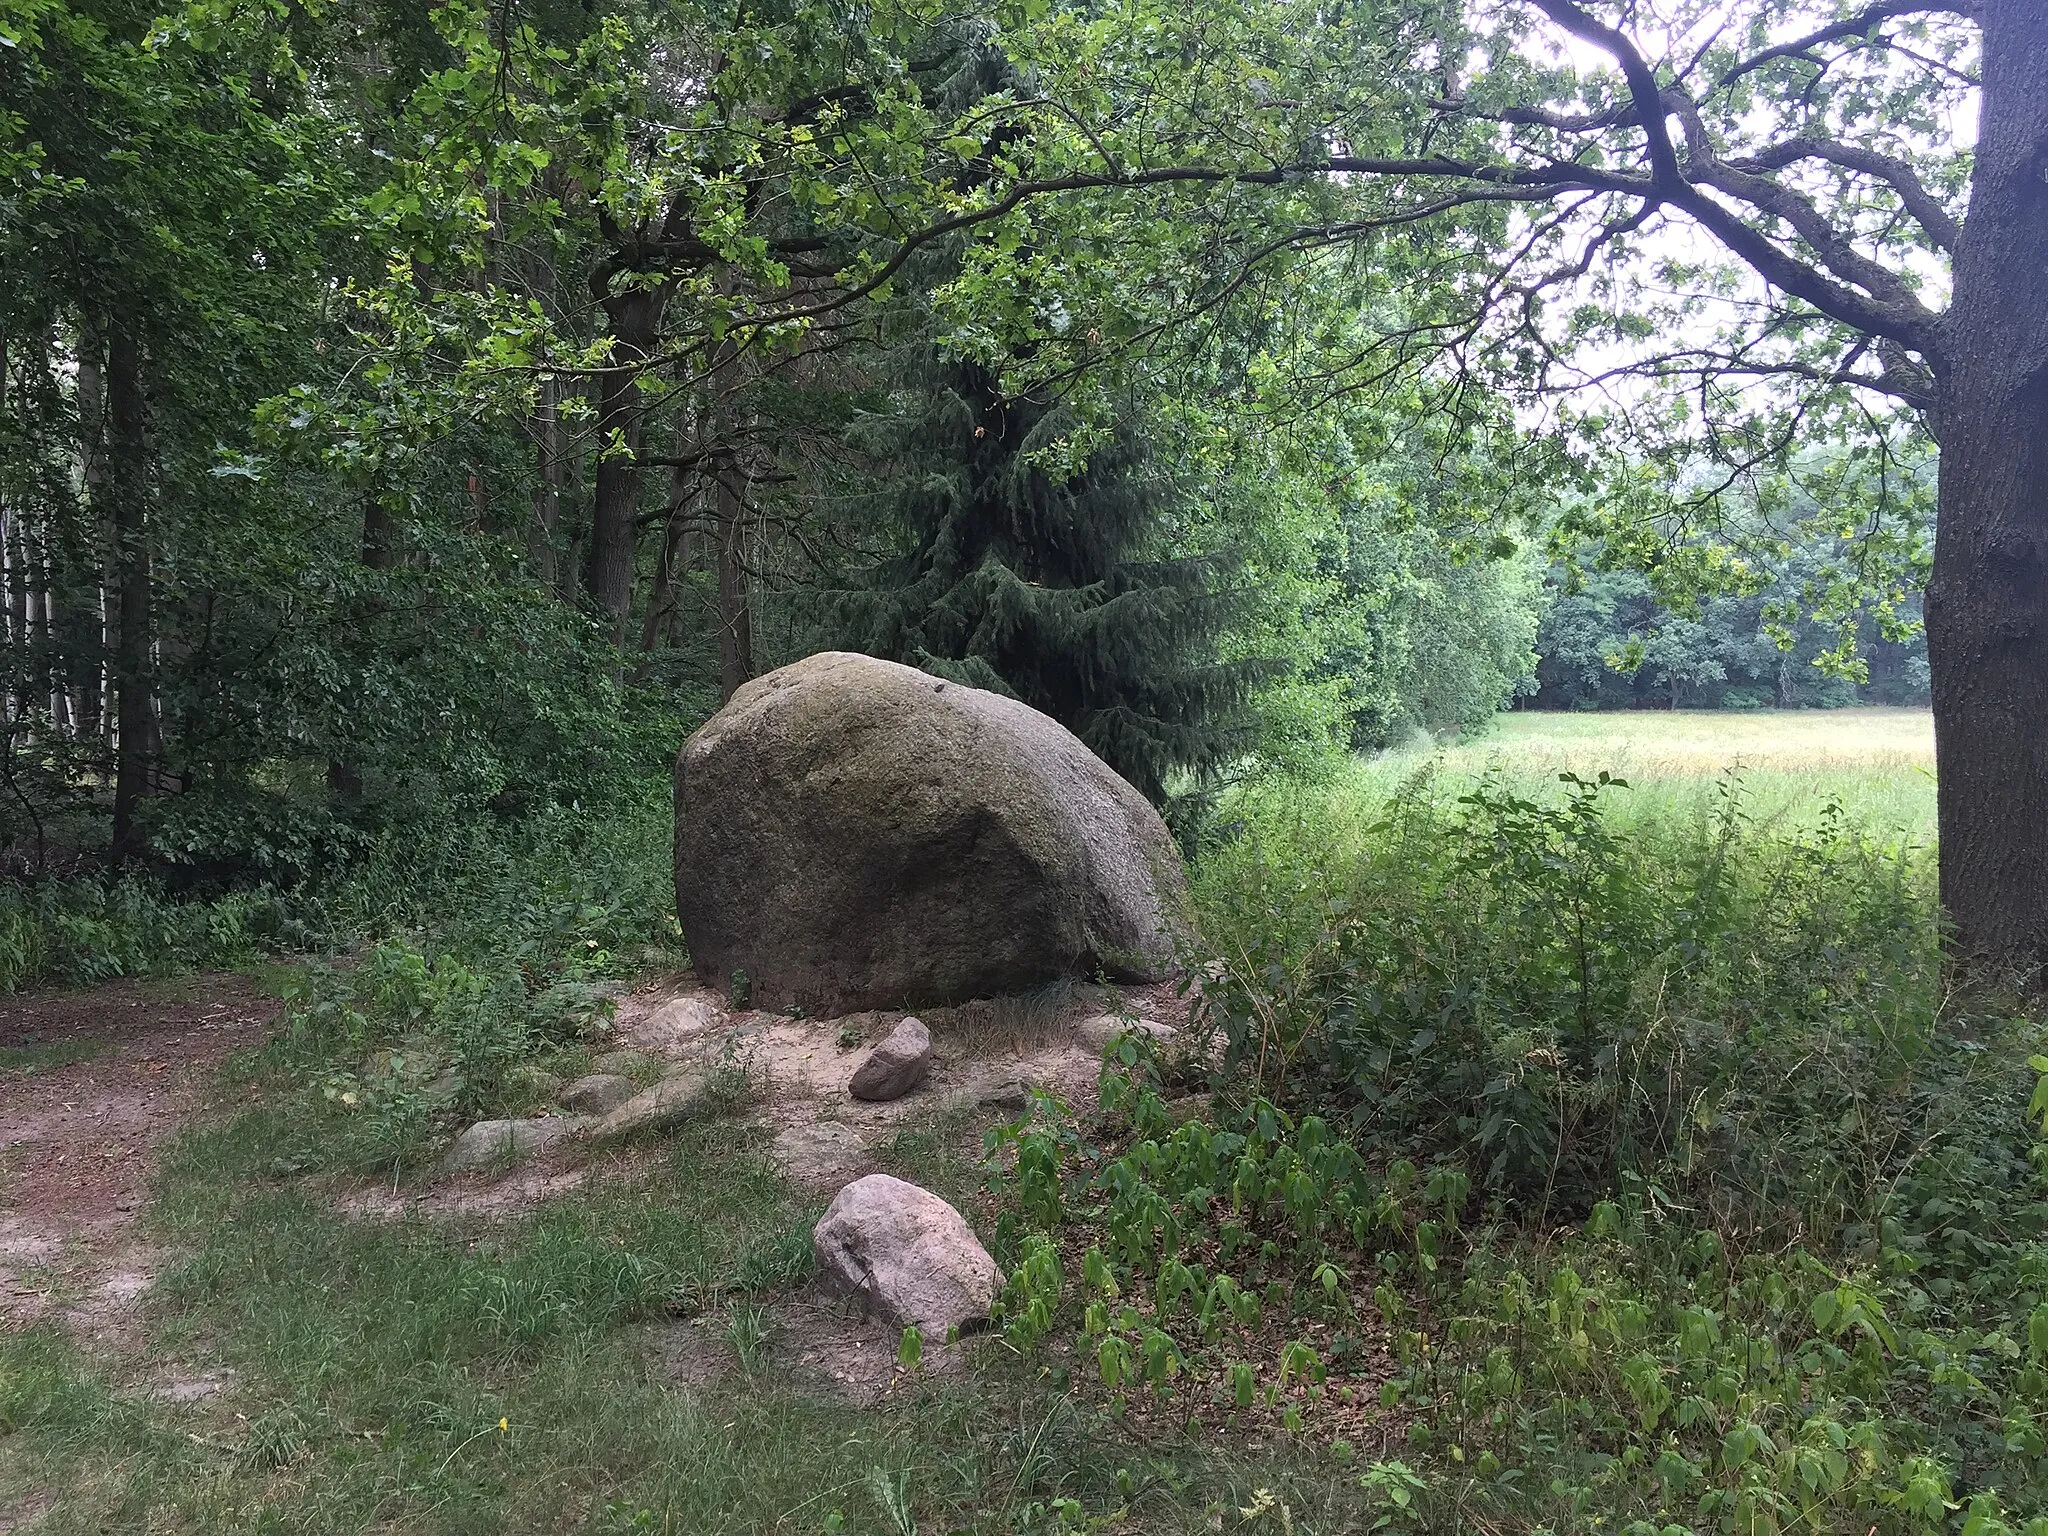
<point x="1858" y="25"/>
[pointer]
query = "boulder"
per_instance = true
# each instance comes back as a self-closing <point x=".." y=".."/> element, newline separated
<point x="1105" y="1029"/>
<point x="680" y="1096"/>
<point x="498" y="1143"/>
<point x="910" y="1256"/>
<point x="897" y="1065"/>
<point x="597" y="1093"/>
<point x="851" y="833"/>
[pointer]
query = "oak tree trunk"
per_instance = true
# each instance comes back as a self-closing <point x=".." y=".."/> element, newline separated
<point x="1987" y="602"/>
<point x="735" y="611"/>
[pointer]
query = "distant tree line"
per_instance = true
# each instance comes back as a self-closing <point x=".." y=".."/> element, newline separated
<point x="421" y="412"/>
<point x="1607" y="641"/>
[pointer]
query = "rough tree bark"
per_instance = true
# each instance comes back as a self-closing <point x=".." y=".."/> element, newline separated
<point x="729" y="515"/>
<point x="673" y="567"/>
<point x="128" y="488"/>
<point x="1987" y="603"/>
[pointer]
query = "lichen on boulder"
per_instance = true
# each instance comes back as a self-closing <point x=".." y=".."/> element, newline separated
<point x="851" y="833"/>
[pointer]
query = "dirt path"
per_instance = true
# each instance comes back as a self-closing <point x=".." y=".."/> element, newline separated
<point x="92" y="1085"/>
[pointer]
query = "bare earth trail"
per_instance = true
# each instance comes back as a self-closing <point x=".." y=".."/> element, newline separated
<point x="80" y="1139"/>
<point x="95" y="1084"/>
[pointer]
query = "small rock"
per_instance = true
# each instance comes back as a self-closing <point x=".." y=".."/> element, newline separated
<point x="490" y="1143"/>
<point x="597" y="1093"/>
<point x="192" y="1389"/>
<point x="896" y="1066"/>
<point x="818" y="1153"/>
<point x="623" y="1063"/>
<point x="677" y="1022"/>
<point x="1104" y="1029"/>
<point x="672" y="1100"/>
<point x="907" y="1253"/>
<point x="1009" y="1093"/>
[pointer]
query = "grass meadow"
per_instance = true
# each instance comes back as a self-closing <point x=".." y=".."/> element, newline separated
<point x="1878" y="763"/>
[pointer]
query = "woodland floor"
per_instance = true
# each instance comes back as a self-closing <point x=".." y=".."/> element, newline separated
<point x="93" y="1085"/>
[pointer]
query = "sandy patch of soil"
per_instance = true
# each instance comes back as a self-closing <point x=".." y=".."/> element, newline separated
<point x="80" y="1139"/>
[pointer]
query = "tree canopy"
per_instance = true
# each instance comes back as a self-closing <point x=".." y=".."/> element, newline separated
<point x="407" y="407"/>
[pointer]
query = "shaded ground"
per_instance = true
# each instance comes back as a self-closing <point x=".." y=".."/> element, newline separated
<point x="92" y="1085"/>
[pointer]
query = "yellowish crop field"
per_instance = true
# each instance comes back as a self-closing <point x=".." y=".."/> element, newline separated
<point x="1878" y="763"/>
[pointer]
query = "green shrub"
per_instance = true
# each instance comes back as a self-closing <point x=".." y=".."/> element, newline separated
<point x="1745" y="1013"/>
<point x="1618" y="1174"/>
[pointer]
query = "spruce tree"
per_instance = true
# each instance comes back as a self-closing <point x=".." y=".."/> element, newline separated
<point x="1059" y="591"/>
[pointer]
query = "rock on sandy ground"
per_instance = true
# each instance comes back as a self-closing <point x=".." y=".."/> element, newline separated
<point x="906" y="1253"/>
<point x="896" y="1066"/>
<point x="499" y="1143"/>
<point x="1099" y="1031"/>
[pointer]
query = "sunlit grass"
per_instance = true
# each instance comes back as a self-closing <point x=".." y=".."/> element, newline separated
<point x="1878" y="763"/>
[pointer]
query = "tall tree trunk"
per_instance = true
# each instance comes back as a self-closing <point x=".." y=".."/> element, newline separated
<point x="675" y="539"/>
<point x="735" y="610"/>
<point x="14" y="610"/>
<point x="74" y="554"/>
<point x="1987" y="604"/>
<point x="128" y="486"/>
<point x="380" y="535"/>
<point x="727" y="386"/>
<point x="635" y="316"/>
<point x="547" y="481"/>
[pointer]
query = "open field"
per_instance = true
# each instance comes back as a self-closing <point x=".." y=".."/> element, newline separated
<point x="1878" y="762"/>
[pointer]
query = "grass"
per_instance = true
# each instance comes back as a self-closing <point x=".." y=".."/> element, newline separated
<point x="425" y="1378"/>
<point x="1624" y="1156"/>
<point x="27" y="1060"/>
<point x="1879" y="763"/>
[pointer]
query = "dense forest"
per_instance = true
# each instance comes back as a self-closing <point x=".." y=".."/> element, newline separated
<point x="430" y="414"/>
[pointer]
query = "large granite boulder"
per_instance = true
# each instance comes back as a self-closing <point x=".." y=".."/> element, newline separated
<point x="851" y="833"/>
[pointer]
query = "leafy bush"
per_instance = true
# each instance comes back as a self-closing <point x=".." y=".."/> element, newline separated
<point x="523" y="893"/>
<point x="1624" y="1175"/>
<point x="1743" y="1012"/>
<point x="76" y="932"/>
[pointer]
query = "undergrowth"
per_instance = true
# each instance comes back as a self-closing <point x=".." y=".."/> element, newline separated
<point x="1568" y="1177"/>
<point x="516" y="890"/>
<point x="1528" y="1167"/>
